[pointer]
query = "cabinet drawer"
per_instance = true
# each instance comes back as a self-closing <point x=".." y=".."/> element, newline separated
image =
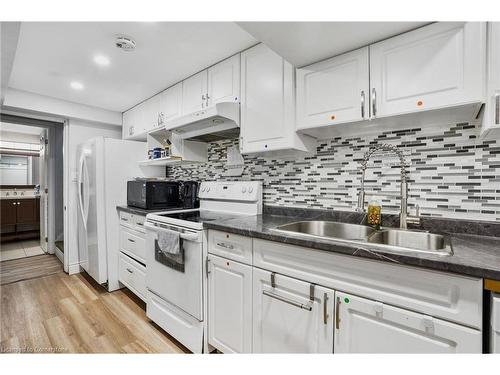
<point x="440" y="294"/>
<point x="126" y="218"/>
<point x="133" y="244"/>
<point x="138" y="221"/>
<point x="230" y="246"/>
<point x="133" y="275"/>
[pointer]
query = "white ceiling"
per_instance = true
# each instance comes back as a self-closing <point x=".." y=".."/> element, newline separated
<point x="303" y="43"/>
<point x="52" y="54"/>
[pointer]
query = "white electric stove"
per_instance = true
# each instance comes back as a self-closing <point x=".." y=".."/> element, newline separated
<point x="176" y="297"/>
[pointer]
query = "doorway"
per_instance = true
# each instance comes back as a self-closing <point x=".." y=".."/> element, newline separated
<point x="31" y="188"/>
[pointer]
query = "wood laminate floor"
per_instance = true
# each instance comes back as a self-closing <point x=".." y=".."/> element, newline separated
<point x="59" y="313"/>
<point x="28" y="268"/>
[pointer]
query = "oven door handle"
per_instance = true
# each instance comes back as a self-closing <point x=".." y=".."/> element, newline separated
<point x="189" y="237"/>
<point x="184" y="236"/>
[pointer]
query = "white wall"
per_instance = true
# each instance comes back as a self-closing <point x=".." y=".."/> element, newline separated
<point x="78" y="132"/>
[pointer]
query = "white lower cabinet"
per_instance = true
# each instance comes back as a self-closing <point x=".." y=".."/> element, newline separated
<point x="132" y="274"/>
<point x="495" y="324"/>
<point x="285" y="317"/>
<point x="230" y="305"/>
<point x="367" y="326"/>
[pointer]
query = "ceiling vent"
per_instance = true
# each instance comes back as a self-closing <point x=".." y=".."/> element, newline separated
<point x="125" y="43"/>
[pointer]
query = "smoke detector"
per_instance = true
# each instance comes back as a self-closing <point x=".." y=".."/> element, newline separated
<point x="125" y="43"/>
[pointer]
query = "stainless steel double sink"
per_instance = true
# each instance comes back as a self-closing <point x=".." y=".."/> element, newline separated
<point x="391" y="239"/>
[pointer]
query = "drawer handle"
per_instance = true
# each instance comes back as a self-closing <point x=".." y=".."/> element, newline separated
<point x="337" y="314"/>
<point x="130" y="240"/>
<point x="325" y="308"/>
<point x="124" y="219"/>
<point x="225" y="245"/>
<point x="287" y="300"/>
<point x="141" y="224"/>
<point x="130" y="270"/>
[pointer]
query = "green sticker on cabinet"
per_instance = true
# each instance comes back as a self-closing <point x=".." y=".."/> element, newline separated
<point x="346" y="300"/>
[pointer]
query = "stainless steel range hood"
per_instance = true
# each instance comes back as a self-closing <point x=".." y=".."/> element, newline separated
<point x="220" y="121"/>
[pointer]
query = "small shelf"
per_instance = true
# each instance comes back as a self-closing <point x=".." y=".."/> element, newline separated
<point x="165" y="161"/>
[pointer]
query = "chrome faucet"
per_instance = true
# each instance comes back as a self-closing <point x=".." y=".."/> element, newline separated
<point x="404" y="218"/>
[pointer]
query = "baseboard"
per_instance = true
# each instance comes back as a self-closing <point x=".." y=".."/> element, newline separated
<point x="74" y="268"/>
<point x="59" y="255"/>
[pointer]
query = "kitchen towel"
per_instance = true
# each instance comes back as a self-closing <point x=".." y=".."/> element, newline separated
<point x="169" y="241"/>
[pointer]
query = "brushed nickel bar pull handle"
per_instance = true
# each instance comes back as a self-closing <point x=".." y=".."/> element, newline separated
<point x="287" y="300"/>
<point x="325" y="308"/>
<point x="131" y="240"/>
<point x="129" y="270"/>
<point x="337" y="314"/>
<point x="374" y="102"/>
<point x="362" y="104"/>
<point x="497" y="108"/>
<point x="222" y="244"/>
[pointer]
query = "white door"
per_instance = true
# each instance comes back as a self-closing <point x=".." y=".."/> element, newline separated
<point x="224" y="81"/>
<point x="495" y="324"/>
<point x="436" y="66"/>
<point x="229" y="305"/>
<point x="194" y="93"/>
<point x="171" y="102"/>
<point x="334" y="91"/>
<point x="267" y="101"/>
<point x="44" y="189"/>
<point x="366" y="326"/>
<point x="285" y="320"/>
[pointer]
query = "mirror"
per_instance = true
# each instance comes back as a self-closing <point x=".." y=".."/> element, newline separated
<point x="19" y="170"/>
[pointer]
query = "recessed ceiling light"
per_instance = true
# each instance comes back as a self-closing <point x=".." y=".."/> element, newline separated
<point x="101" y="60"/>
<point x="75" y="85"/>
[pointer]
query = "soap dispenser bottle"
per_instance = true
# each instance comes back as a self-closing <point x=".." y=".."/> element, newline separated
<point x="374" y="213"/>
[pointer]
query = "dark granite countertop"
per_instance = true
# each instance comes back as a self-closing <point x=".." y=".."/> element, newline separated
<point x="474" y="253"/>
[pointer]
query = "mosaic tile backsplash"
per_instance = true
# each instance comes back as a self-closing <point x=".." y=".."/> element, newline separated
<point x="451" y="173"/>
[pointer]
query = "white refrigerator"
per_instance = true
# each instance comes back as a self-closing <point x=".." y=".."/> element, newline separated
<point x="104" y="167"/>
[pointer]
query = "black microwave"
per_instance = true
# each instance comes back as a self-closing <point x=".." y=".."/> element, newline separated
<point x="153" y="194"/>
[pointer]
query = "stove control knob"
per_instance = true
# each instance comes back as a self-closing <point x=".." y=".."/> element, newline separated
<point x="203" y="188"/>
<point x="243" y="189"/>
<point x="250" y="189"/>
<point x="208" y="189"/>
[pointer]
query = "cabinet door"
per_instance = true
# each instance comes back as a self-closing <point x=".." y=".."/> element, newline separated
<point x="224" y="81"/>
<point x="491" y="118"/>
<point x="126" y="123"/>
<point x="285" y="320"/>
<point x="366" y="326"/>
<point x="436" y="66"/>
<point x="194" y="93"/>
<point x="229" y="305"/>
<point x="495" y="324"/>
<point x="8" y="215"/>
<point x="171" y="102"/>
<point x="150" y="114"/>
<point x="333" y="91"/>
<point x="267" y="101"/>
<point x="26" y="211"/>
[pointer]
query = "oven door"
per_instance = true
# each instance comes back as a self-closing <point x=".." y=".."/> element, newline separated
<point x="181" y="288"/>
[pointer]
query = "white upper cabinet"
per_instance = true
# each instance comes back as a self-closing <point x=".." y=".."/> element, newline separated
<point x="171" y="102"/>
<point x="267" y="103"/>
<point x="194" y="93"/>
<point x="436" y="66"/>
<point x="334" y="91"/>
<point x="151" y="113"/>
<point x="491" y="119"/>
<point x="133" y="125"/>
<point x="367" y="326"/>
<point x="224" y="81"/>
